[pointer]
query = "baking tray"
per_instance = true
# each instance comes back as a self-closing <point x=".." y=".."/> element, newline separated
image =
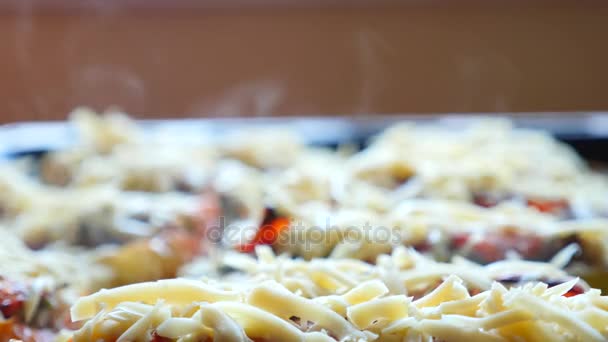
<point x="587" y="132"/>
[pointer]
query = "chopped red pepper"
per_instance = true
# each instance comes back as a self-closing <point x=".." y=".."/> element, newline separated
<point x="423" y="246"/>
<point x="157" y="338"/>
<point x="272" y="226"/>
<point x="459" y="240"/>
<point x="12" y="298"/>
<point x="548" y="206"/>
<point x="575" y="291"/>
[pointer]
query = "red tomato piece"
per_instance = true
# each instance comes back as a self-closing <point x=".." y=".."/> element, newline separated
<point x="494" y="246"/>
<point x="423" y="246"/>
<point x="269" y="232"/>
<point x="157" y="338"/>
<point x="459" y="240"/>
<point x="12" y="298"/>
<point x="574" y="291"/>
<point x="548" y="206"/>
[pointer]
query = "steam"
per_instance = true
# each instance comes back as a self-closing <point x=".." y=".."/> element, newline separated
<point x="249" y="98"/>
<point x="477" y="86"/>
<point x="106" y="83"/>
<point x="369" y="46"/>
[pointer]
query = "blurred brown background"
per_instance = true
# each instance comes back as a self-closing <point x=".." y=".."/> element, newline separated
<point x="344" y="58"/>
